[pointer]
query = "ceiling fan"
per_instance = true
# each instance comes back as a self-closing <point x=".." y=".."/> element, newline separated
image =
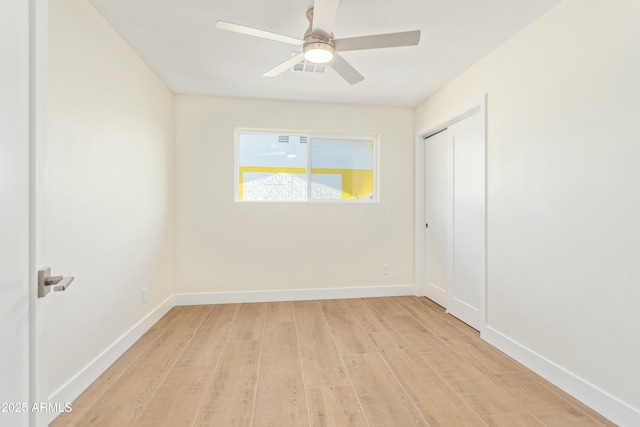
<point x="318" y="44"/>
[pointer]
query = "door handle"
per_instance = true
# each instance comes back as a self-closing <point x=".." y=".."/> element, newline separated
<point x="46" y="281"/>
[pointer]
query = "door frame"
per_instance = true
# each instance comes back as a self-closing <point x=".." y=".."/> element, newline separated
<point x="38" y="107"/>
<point x="27" y="132"/>
<point x="477" y="106"/>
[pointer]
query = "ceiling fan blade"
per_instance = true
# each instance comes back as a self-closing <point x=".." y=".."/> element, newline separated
<point x="324" y="15"/>
<point x="249" y="31"/>
<point x="407" y="38"/>
<point x="346" y="70"/>
<point x="274" y="72"/>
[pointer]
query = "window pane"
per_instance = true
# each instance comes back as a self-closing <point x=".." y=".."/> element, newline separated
<point x="341" y="169"/>
<point x="272" y="167"/>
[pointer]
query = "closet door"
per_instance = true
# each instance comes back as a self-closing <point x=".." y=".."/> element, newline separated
<point x="466" y="266"/>
<point x="436" y="219"/>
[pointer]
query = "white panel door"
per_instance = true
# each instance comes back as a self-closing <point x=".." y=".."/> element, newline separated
<point x="436" y="217"/>
<point x="14" y="213"/>
<point x="467" y="240"/>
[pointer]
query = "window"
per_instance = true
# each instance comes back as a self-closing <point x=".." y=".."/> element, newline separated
<point x="304" y="167"/>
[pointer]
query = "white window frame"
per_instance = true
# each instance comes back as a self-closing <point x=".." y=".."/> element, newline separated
<point x="374" y="138"/>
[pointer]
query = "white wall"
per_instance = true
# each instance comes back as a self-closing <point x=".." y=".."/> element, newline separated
<point x="109" y="201"/>
<point x="227" y="246"/>
<point x="563" y="189"/>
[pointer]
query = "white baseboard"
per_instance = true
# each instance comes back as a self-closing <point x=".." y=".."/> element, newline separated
<point x="599" y="400"/>
<point x="76" y="385"/>
<point x="293" y="295"/>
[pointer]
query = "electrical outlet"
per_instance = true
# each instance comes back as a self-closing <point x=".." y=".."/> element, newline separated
<point x="145" y="295"/>
<point x="385" y="269"/>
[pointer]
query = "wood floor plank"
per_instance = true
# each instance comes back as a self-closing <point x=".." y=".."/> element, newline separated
<point x="370" y="319"/>
<point x="336" y="406"/>
<point x="110" y="416"/>
<point x="280" y="311"/>
<point x="469" y="347"/>
<point x="311" y="362"/>
<point x="434" y="322"/>
<point x="229" y="399"/>
<point x="438" y="310"/>
<point x="436" y="401"/>
<point x="482" y="356"/>
<point x="306" y="304"/>
<point x="523" y="387"/>
<point x="203" y="351"/>
<point x="321" y="362"/>
<point x="408" y="326"/>
<point x="221" y="318"/>
<point x="573" y="402"/>
<point x="513" y="420"/>
<point x="250" y="322"/>
<point x="384" y="402"/>
<point x="566" y="416"/>
<point x="386" y="306"/>
<point x="482" y="395"/>
<point x="90" y="397"/>
<point x="446" y="362"/>
<point x="129" y="395"/>
<point x="346" y="332"/>
<point x="168" y="317"/>
<point x="206" y="346"/>
<point x="177" y="400"/>
<point x="280" y="399"/>
<point x="190" y="317"/>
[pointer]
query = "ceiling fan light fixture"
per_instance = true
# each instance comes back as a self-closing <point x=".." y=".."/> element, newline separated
<point x="318" y="52"/>
<point x="319" y="45"/>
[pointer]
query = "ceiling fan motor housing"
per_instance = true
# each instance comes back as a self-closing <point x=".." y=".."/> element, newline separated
<point x="318" y="48"/>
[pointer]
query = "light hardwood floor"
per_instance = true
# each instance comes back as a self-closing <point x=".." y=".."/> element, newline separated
<point x="392" y="362"/>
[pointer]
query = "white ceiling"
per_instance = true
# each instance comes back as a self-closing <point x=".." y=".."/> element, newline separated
<point x="178" y="40"/>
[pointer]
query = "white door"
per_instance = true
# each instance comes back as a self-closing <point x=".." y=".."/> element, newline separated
<point x="23" y="77"/>
<point x="467" y="238"/>
<point x="14" y="213"/>
<point x="436" y="217"/>
<point x="454" y="233"/>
